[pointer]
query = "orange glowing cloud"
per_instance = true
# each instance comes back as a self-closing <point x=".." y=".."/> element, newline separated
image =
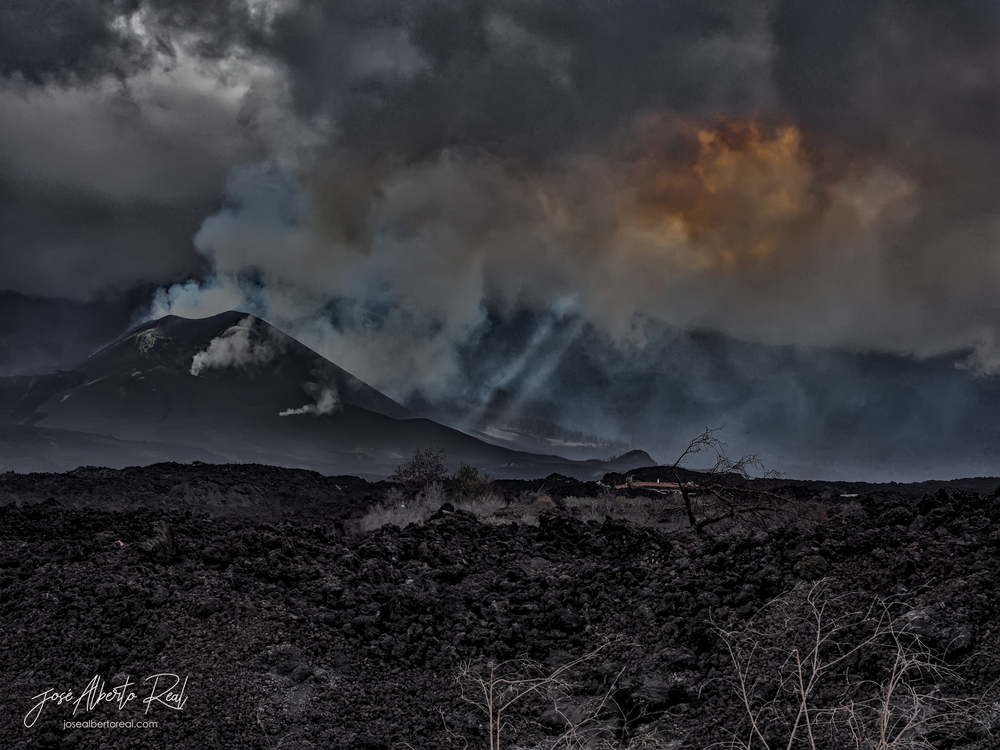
<point x="734" y="194"/>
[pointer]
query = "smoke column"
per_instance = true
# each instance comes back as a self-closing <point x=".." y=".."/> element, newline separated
<point x="235" y="348"/>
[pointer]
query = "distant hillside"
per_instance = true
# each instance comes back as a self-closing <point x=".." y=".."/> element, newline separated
<point x="806" y="411"/>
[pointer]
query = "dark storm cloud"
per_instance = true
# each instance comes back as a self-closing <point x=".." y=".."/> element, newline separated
<point x="64" y="243"/>
<point x="530" y="79"/>
<point x="87" y="111"/>
<point x="56" y="39"/>
<point x="523" y="80"/>
<point x="78" y="40"/>
<point x="119" y="122"/>
<point x="782" y="171"/>
<point x="97" y="191"/>
<point x="868" y="68"/>
<point x="220" y="25"/>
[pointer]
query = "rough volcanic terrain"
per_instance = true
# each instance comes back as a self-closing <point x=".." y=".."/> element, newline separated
<point x="294" y="629"/>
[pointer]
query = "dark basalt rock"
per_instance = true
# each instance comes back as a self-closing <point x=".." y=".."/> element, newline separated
<point x="811" y="568"/>
<point x="159" y="546"/>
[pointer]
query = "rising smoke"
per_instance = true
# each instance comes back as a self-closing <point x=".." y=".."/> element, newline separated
<point x="237" y="348"/>
<point x="412" y="181"/>
<point x="734" y="226"/>
<point x="498" y="164"/>
<point x="326" y="401"/>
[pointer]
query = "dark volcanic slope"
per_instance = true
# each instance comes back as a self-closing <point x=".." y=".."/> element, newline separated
<point x="293" y="636"/>
<point x="229" y="388"/>
<point x="278" y="367"/>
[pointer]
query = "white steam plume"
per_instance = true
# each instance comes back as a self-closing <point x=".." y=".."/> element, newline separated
<point x="327" y="401"/>
<point x="234" y="347"/>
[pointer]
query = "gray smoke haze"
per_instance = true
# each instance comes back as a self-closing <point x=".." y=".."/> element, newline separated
<point x="668" y="161"/>
<point x="119" y="123"/>
<point x="395" y="182"/>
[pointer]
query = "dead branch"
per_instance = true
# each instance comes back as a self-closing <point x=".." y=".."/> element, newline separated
<point x="796" y="676"/>
<point x="736" y="493"/>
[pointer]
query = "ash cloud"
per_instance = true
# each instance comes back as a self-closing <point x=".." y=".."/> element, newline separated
<point x="397" y="181"/>
<point x="665" y="160"/>
<point x="119" y="123"/>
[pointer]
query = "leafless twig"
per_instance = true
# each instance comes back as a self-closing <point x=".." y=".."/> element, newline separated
<point x="797" y="676"/>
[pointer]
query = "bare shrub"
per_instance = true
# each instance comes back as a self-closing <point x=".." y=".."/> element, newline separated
<point x="425" y="466"/>
<point x="818" y="671"/>
<point x="606" y="503"/>
<point x="394" y="496"/>
<point x="524" y="508"/>
<point x="432" y="496"/>
<point x="501" y="692"/>
<point x="596" y="722"/>
<point x="497" y="689"/>
<point x="729" y="491"/>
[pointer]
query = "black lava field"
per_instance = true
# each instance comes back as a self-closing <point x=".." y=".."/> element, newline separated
<point x="285" y="626"/>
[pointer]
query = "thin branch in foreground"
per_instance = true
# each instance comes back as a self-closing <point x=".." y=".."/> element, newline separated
<point x="836" y="670"/>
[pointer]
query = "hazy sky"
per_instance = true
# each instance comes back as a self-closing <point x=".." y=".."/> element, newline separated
<point x="374" y="176"/>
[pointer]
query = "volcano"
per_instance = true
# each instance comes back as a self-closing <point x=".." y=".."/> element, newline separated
<point x="233" y="388"/>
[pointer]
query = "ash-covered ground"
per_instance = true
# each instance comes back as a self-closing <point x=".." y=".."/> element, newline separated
<point x="288" y="625"/>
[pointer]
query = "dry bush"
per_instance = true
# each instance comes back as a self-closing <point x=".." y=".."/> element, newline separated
<point x="468" y="483"/>
<point x="639" y="510"/>
<point x="541" y="504"/>
<point x="497" y="690"/>
<point x="524" y="509"/>
<point x="396" y="509"/>
<point x="484" y="505"/>
<point x="818" y="671"/>
<point x="595" y="508"/>
<point x="595" y="723"/>
<point x="729" y="493"/>
<point x="665" y="512"/>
